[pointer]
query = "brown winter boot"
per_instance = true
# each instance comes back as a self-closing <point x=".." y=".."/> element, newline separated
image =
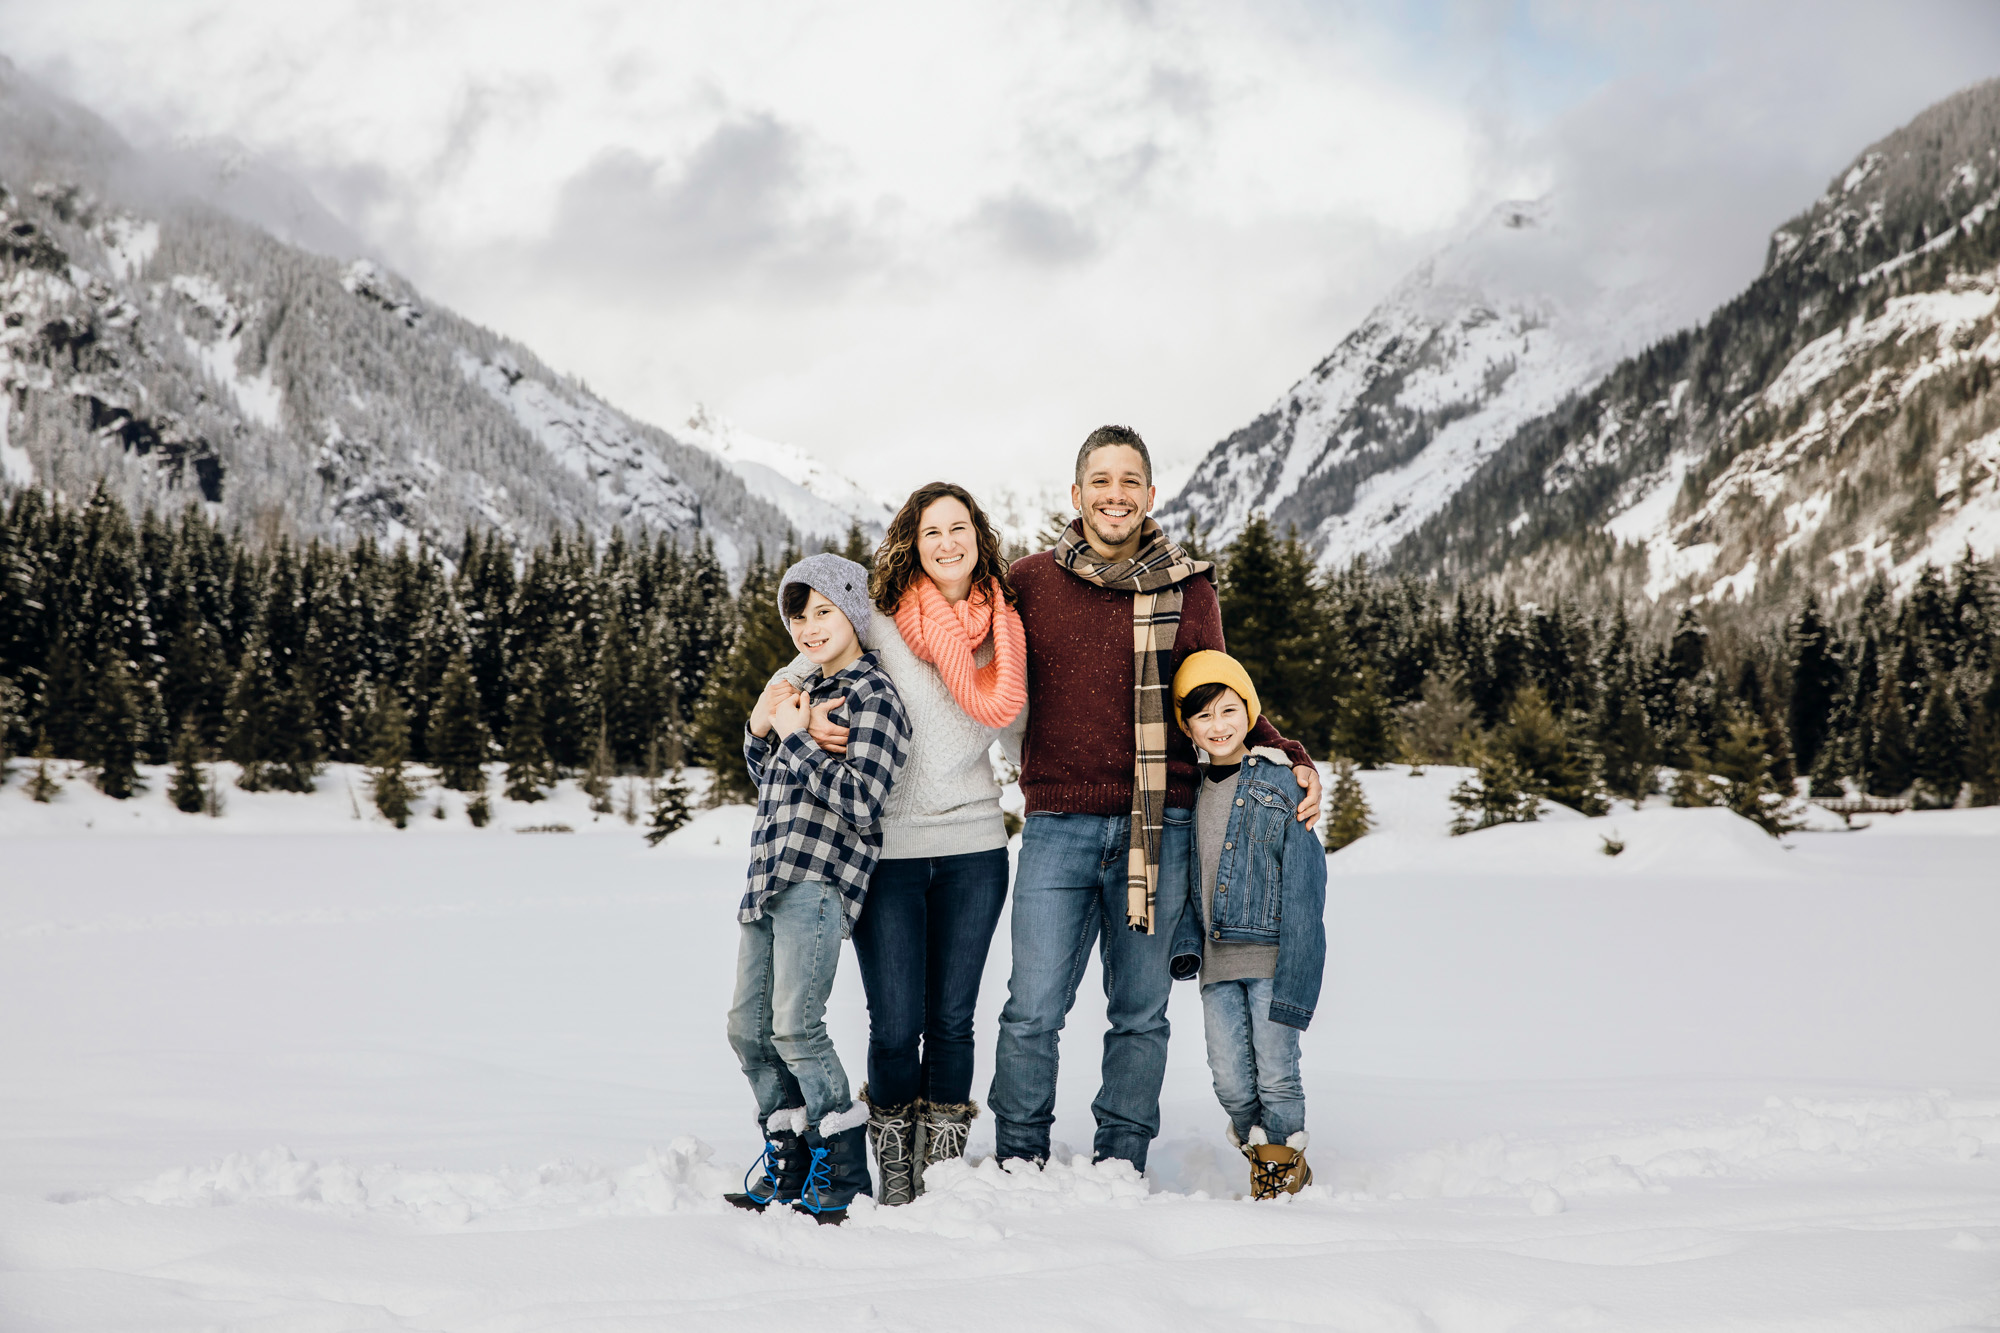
<point x="1276" y="1168"/>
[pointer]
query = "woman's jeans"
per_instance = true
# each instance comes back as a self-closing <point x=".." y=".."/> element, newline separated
<point x="785" y="963"/>
<point x="921" y="942"/>
<point x="1255" y="1061"/>
<point x="1069" y="891"/>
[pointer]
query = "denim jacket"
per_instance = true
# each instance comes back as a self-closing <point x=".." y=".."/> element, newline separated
<point x="1275" y="872"/>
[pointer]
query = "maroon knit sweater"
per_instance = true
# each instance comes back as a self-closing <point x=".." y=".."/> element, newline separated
<point x="1079" y="756"/>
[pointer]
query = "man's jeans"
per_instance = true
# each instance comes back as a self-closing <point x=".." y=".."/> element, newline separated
<point x="784" y="971"/>
<point x="921" y="942"/>
<point x="1255" y="1061"/>
<point x="1068" y="890"/>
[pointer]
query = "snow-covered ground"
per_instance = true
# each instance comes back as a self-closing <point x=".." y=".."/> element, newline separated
<point x="292" y="1069"/>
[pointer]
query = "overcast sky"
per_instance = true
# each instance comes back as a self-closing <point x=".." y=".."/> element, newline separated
<point x="933" y="238"/>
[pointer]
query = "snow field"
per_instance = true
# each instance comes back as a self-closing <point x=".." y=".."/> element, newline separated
<point x="293" y="1079"/>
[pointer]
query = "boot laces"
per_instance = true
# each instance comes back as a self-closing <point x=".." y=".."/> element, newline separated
<point x="818" y="1176"/>
<point x="1268" y="1179"/>
<point x="768" y="1162"/>
<point x="944" y="1138"/>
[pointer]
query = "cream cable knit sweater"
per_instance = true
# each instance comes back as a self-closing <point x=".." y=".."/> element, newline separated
<point x="945" y="801"/>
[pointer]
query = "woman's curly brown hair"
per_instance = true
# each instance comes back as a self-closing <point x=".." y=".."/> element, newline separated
<point x="897" y="565"/>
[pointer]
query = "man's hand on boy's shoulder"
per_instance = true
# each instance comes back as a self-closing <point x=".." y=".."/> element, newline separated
<point x="1308" y="777"/>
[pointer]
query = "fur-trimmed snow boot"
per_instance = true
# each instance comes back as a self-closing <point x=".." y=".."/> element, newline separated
<point x="836" y="1166"/>
<point x="779" y="1175"/>
<point x="945" y="1126"/>
<point x="893" y="1132"/>
<point x="1275" y="1168"/>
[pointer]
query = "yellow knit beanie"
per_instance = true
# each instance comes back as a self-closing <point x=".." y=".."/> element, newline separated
<point x="1208" y="665"/>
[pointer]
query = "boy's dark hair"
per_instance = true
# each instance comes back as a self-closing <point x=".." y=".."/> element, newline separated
<point x="1200" y="697"/>
<point x="793" y="604"/>
<point x="1106" y="436"/>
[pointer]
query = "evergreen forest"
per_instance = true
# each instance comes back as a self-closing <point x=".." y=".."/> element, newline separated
<point x="169" y="639"/>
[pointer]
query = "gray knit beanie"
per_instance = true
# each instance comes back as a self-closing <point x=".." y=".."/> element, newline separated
<point x="841" y="582"/>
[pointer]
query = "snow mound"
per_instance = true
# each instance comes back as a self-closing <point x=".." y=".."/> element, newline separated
<point x="680" y="1179"/>
<point x="975" y="1201"/>
<point x="1787" y="1137"/>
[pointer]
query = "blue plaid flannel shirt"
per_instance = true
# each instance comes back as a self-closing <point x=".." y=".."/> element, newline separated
<point x="819" y="815"/>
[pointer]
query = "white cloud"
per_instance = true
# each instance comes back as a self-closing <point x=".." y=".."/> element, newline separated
<point x="951" y="238"/>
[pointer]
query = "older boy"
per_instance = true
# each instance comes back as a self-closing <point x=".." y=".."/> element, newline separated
<point x="813" y="846"/>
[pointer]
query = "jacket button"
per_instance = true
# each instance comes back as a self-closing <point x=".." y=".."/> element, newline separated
<point x="1216" y="934"/>
<point x="1223" y="889"/>
<point x="1228" y="846"/>
<point x="1239" y="800"/>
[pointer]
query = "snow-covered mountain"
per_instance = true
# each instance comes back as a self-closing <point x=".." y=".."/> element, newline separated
<point x="1490" y="333"/>
<point x="1835" y="420"/>
<point x="171" y="350"/>
<point x="820" y="503"/>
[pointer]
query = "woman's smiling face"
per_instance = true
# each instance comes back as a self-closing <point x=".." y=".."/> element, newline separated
<point x="947" y="546"/>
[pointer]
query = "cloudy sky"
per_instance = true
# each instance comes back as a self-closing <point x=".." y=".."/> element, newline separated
<point x="941" y="238"/>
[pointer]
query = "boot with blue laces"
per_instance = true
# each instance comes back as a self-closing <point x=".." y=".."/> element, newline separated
<point x="780" y="1174"/>
<point x="836" y="1166"/>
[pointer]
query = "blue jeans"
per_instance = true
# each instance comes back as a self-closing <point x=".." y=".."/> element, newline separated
<point x="1255" y="1061"/>
<point x="921" y="942"/>
<point x="785" y="962"/>
<point x="1069" y="893"/>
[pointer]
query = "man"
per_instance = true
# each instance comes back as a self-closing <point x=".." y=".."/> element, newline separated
<point x="1109" y="785"/>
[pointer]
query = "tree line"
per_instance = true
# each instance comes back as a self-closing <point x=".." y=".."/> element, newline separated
<point x="169" y="639"/>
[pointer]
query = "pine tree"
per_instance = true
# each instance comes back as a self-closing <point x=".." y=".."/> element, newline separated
<point x="1552" y="765"/>
<point x="1982" y="747"/>
<point x="1268" y="597"/>
<point x="249" y="720"/>
<point x="1498" y="793"/>
<point x="458" y="739"/>
<point x="857" y="547"/>
<point x="761" y="647"/>
<point x="43" y="786"/>
<point x="1743" y="760"/>
<point x="528" y="766"/>
<point x="388" y="752"/>
<point x="187" y="792"/>
<point x="1816" y="678"/>
<point x="1366" y="728"/>
<point x="1439" y="727"/>
<point x="596" y="780"/>
<point x="112" y="733"/>
<point x="671" y="809"/>
<point x="1939" y="748"/>
<point x="1891" y="760"/>
<point x="1349" y="818"/>
<point x="294" y="742"/>
<point x="10" y="721"/>
<point x="1695" y="786"/>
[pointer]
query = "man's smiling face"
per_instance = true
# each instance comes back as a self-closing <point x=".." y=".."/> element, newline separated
<point x="1113" y="495"/>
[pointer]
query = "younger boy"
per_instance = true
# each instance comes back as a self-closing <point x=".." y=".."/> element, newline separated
<point x="813" y="848"/>
<point x="1254" y="926"/>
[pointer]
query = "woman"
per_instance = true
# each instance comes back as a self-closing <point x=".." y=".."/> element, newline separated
<point x="950" y="639"/>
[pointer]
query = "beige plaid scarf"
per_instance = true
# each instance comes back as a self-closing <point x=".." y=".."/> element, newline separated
<point x="1153" y="577"/>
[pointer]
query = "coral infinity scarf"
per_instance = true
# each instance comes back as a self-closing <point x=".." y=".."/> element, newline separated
<point x="947" y="634"/>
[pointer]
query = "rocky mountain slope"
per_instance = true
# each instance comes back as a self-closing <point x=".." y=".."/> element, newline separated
<point x="1490" y="333"/>
<point x="1834" y="421"/>
<point x="172" y="350"/>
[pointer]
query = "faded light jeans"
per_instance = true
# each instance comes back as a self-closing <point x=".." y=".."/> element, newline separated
<point x="1069" y="894"/>
<point x="1255" y="1061"/>
<point x="785" y="962"/>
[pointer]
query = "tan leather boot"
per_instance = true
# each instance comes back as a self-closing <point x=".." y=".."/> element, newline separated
<point x="1277" y="1168"/>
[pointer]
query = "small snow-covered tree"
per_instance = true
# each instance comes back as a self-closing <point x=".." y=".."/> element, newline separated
<point x="671" y="809"/>
<point x="1743" y="760"/>
<point x="1439" y="728"/>
<point x="43" y="785"/>
<point x="112" y="731"/>
<point x="1349" y="818"/>
<point x="388" y="752"/>
<point x="187" y="792"/>
<point x="458" y="740"/>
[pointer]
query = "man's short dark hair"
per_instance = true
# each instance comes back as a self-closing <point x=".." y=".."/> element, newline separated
<point x="1106" y="436"/>
<point x="793" y="604"/>
<point x="1200" y="697"/>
